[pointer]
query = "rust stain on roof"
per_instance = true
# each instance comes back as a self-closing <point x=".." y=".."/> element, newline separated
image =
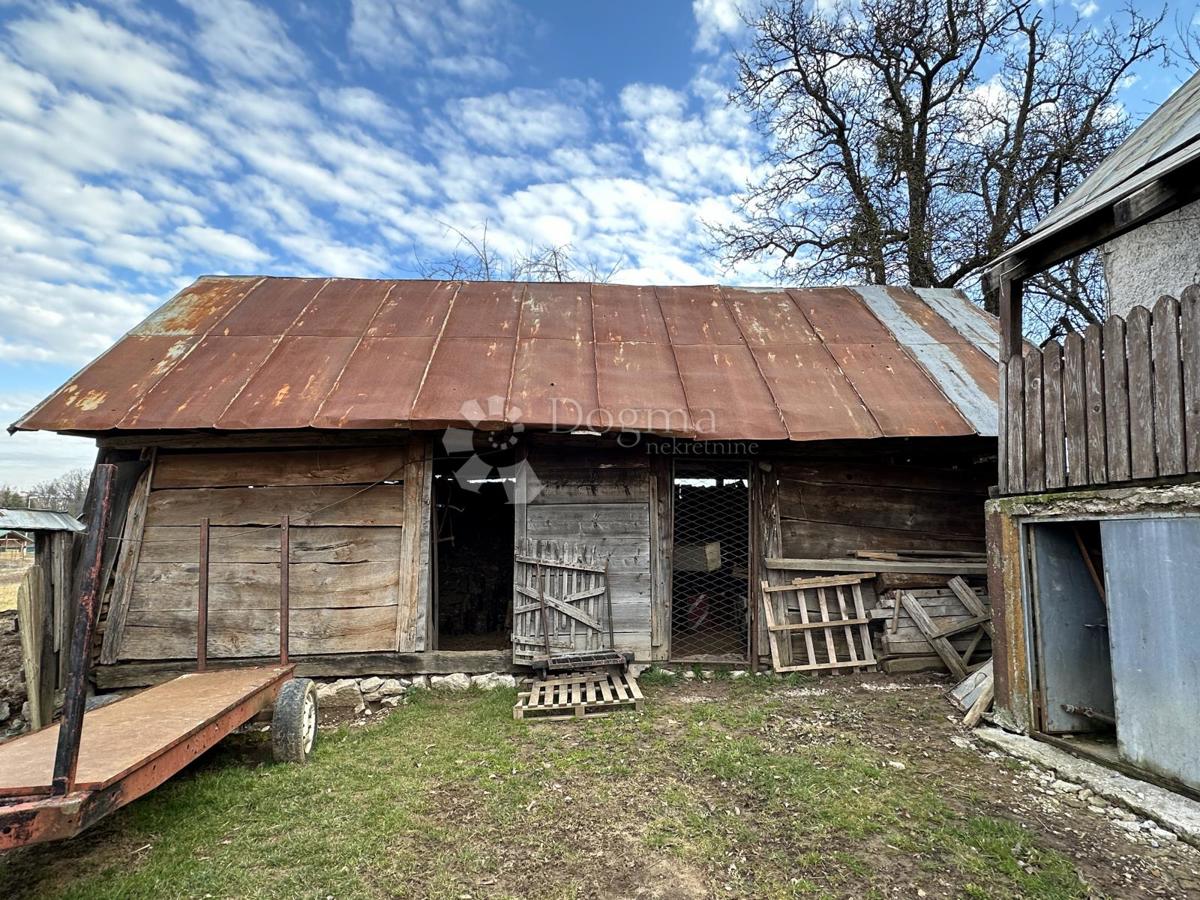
<point x="706" y="361"/>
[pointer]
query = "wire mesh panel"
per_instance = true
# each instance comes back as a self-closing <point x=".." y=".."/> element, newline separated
<point x="711" y="561"/>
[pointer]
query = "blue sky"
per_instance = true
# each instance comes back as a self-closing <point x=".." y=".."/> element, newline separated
<point x="144" y="144"/>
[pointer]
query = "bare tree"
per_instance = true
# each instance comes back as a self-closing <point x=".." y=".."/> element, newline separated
<point x="913" y="141"/>
<point x="475" y="258"/>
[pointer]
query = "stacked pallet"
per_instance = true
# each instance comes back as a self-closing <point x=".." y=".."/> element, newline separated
<point x="947" y="627"/>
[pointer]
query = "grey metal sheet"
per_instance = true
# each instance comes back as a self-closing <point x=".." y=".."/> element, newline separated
<point x="1152" y="570"/>
<point x="1073" y="663"/>
<point x="38" y="520"/>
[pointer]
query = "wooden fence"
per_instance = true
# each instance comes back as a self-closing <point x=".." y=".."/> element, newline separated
<point x="1117" y="404"/>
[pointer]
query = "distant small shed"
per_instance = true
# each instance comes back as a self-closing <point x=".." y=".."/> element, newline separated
<point x="451" y="454"/>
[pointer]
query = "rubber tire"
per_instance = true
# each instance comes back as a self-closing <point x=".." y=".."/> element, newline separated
<point x="294" y="724"/>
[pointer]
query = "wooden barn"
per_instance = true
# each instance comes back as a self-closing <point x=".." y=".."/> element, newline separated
<point x="435" y="462"/>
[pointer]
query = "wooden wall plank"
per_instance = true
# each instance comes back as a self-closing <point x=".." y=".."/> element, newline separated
<point x="884" y="472"/>
<point x="1189" y="353"/>
<point x="1035" y="449"/>
<point x="275" y="467"/>
<point x="1003" y="481"/>
<point x="181" y="544"/>
<point x="1142" y="460"/>
<point x="896" y="507"/>
<point x="1054" y="427"/>
<point x="1075" y="407"/>
<point x="809" y="539"/>
<point x="1170" y="439"/>
<point x="1093" y="363"/>
<point x="173" y="586"/>
<point x="325" y="505"/>
<point x="171" y="634"/>
<point x="126" y="566"/>
<point x="1014" y="405"/>
<point x="1116" y="400"/>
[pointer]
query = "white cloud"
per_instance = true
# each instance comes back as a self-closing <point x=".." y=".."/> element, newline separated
<point x="245" y="39"/>
<point x="521" y="118"/>
<point x="717" y="21"/>
<point x="221" y="244"/>
<point x="410" y="34"/>
<point x="79" y="46"/>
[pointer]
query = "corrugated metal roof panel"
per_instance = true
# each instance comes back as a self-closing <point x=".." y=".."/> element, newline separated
<point x="702" y="362"/>
<point x="38" y="520"/>
<point x="289" y="387"/>
<point x="378" y="385"/>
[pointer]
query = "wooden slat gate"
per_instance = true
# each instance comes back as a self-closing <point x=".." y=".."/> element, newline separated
<point x="561" y="603"/>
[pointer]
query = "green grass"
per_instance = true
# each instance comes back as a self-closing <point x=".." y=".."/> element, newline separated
<point x="448" y="796"/>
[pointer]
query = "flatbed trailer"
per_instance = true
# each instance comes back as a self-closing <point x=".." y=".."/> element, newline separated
<point x="61" y="779"/>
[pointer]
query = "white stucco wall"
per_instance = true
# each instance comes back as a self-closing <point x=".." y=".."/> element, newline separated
<point x="1162" y="257"/>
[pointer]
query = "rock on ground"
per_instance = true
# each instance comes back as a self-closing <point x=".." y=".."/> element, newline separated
<point x="340" y="694"/>
<point x="493" y="680"/>
<point x="456" y="682"/>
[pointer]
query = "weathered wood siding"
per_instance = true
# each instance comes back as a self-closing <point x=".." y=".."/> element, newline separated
<point x="347" y="516"/>
<point x="833" y="504"/>
<point x="601" y="498"/>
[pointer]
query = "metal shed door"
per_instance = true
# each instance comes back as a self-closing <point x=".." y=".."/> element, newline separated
<point x="1152" y="569"/>
<point x="560" y="601"/>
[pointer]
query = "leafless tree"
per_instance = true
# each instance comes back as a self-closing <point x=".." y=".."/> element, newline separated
<point x="914" y="140"/>
<point x="475" y="258"/>
<point x="65" y="493"/>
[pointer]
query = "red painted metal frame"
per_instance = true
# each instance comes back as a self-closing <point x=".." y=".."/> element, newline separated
<point x="41" y="819"/>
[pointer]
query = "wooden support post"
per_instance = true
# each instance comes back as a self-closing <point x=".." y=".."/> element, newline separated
<point x="202" y="602"/>
<point x="37" y="644"/>
<point x="66" y="757"/>
<point x="284" y="566"/>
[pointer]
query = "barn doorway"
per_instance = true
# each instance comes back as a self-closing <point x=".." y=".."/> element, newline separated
<point x="710" y="586"/>
<point x="473" y="534"/>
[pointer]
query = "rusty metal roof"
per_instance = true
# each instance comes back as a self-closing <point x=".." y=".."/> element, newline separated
<point x="706" y="362"/>
<point x="38" y="520"/>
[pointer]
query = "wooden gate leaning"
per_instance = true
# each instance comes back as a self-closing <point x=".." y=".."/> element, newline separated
<point x="561" y="603"/>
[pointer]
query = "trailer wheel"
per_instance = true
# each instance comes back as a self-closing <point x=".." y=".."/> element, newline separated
<point x="294" y="725"/>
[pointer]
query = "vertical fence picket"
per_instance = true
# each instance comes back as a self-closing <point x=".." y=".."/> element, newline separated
<point x="1142" y="460"/>
<point x="1053" y="423"/>
<point x="1015" y="414"/>
<point x="1116" y="399"/>
<point x="1093" y="364"/>
<point x="1075" y="409"/>
<point x="1035" y="455"/>
<point x="1189" y="354"/>
<point x="1168" y="387"/>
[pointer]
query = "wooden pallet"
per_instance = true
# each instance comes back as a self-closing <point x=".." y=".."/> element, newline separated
<point x="839" y="639"/>
<point x="579" y="694"/>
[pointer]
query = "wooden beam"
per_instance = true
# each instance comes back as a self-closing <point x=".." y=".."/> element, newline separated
<point x="342" y="665"/>
<point x="1158" y="198"/>
<point x="954" y="567"/>
<point x="1012" y="304"/>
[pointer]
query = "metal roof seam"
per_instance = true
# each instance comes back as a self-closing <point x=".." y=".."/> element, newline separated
<point x="362" y="337"/>
<point x="512" y="365"/>
<point x="833" y="359"/>
<point x="757" y="365"/>
<point x="458" y="285"/>
<point x="675" y="356"/>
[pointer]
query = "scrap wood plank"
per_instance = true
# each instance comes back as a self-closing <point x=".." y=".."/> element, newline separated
<point x="941" y="645"/>
<point x="964" y="694"/>
<point x="948" y="566"/>
<point x="578" y="695"/>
